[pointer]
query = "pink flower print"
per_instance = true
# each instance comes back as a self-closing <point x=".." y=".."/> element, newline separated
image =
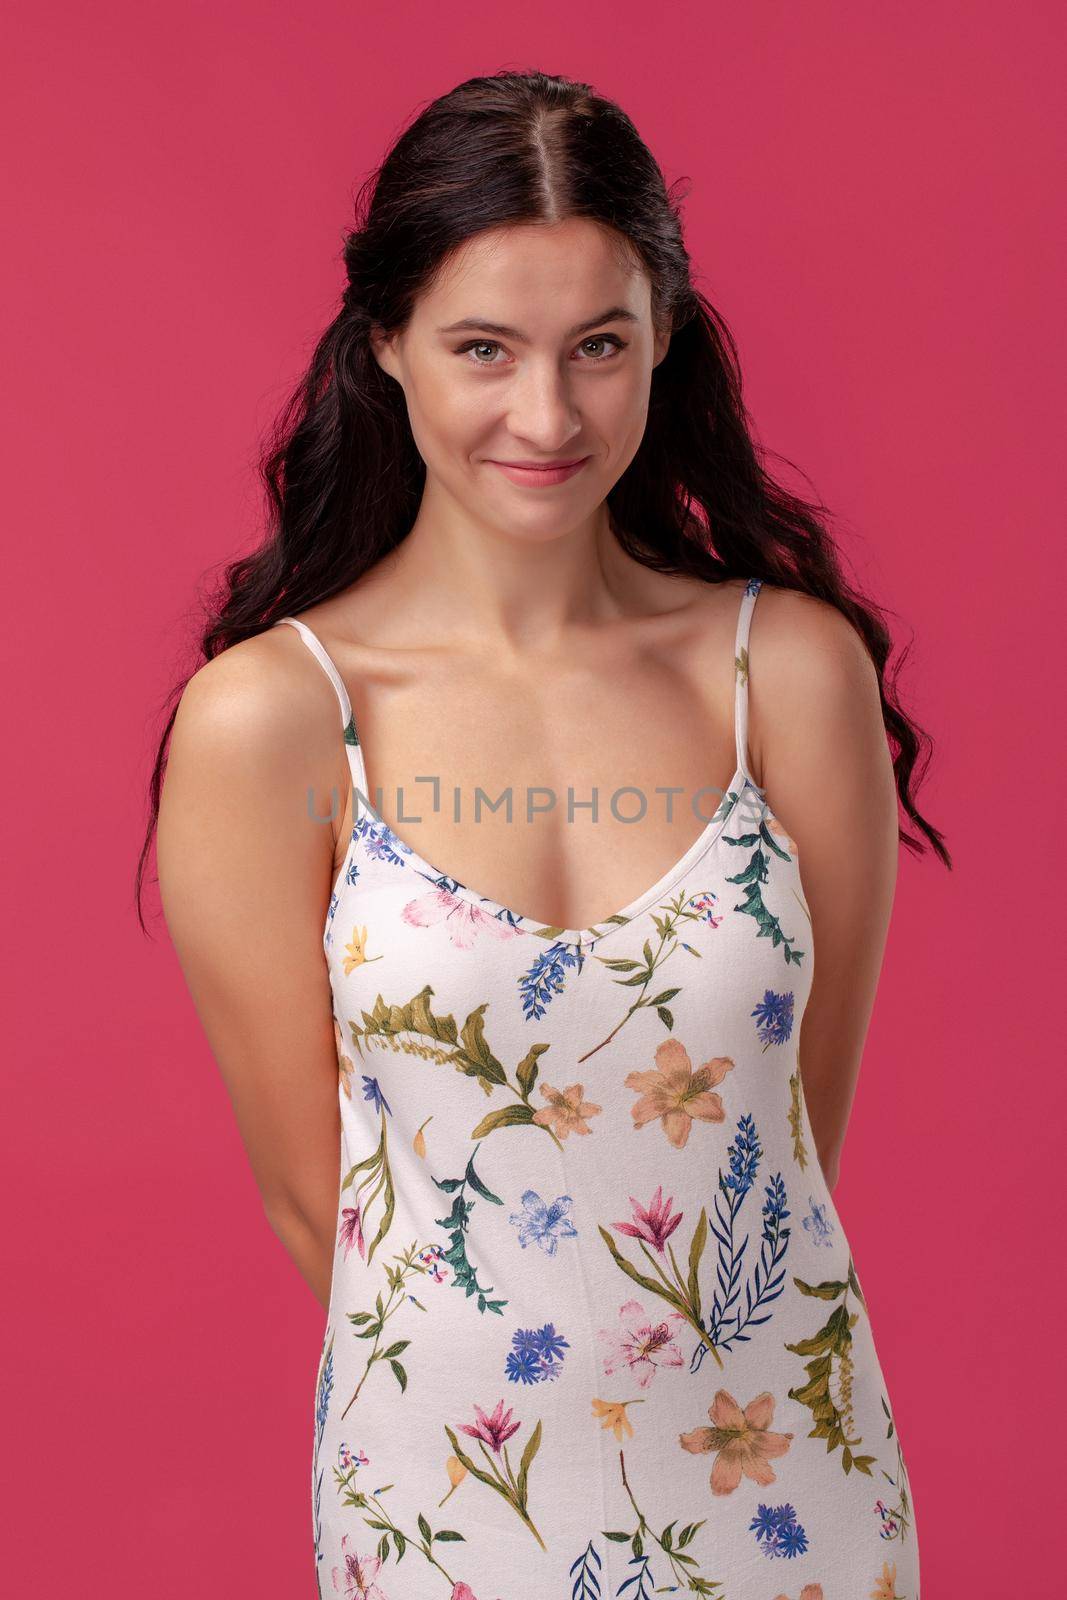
<point x="351" y="1460"/>
<point x="352" y="1231"/>
<point x="494" y="1431"/>
<point x="463" y="1591"/>
<point x="432" y="1258"/>
<point x="465" y="920"/>
<point x="639" y="1345"/>
<point x="356" y="1581"/>
<point x="706" y="907"/>
<point x="654" y="1225"/>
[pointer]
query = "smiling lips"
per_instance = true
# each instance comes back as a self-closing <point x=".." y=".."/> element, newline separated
<point x="538" y="475"/>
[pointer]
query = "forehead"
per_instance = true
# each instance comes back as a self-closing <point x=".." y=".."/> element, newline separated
<point x="539" y="277"/>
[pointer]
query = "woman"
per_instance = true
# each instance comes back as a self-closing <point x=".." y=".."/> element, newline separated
<point x="549" y="1165"/>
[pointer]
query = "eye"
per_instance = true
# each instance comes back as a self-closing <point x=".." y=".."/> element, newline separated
<point x="603" y="338"/>
<point x="478" y="344"/>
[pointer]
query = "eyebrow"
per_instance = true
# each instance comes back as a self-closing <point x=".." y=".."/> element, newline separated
<point x="478" y="325"/>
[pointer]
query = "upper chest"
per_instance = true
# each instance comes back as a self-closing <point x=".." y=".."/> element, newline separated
<point x="560" y="786"/>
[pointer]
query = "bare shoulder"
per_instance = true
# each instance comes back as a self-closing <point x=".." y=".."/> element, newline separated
<point x="257" y="728"/>
<point x="263" y="701"/>
<point x="817" y="731"/>
<point x="796" y="637"/>
<point x="808" y="666"/>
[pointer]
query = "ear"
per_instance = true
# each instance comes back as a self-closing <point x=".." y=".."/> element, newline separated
<point x="384" y="351"/>
<point x="660" y="346"/>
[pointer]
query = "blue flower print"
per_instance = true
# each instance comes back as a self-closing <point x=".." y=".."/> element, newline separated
<point x="774" y="1014"/>
<point x="818" y="1224"/>
<point x="542" y="1224"/>
<point x="778" y="1532"/>
<point x="379" y="841"/>
<point x="546" y="978"/>
<point x="536" y="1355"/>
<point x="373" y="1093"/>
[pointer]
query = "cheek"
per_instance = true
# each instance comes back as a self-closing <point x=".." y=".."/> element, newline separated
<point x="620" y="417"/>
<point x="449" y="418"/>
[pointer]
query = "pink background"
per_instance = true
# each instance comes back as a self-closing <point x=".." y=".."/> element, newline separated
<point x="873" y="210"/>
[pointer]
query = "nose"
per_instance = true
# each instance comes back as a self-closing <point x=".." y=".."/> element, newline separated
<point x="542" y="410"/>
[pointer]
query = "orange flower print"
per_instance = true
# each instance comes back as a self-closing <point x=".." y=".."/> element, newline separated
<point x="885" y="1587"/>
<point x="740" y="1440"/>
<point x="614" y="1416"/>
<point x="775" y="827"/>
<point x="566" y="1111"/>
<point x="810" y="1591"/>
<point x="344" y="1063"/>
<point x="674" y="1094"/>
<point x="356" y="950"/>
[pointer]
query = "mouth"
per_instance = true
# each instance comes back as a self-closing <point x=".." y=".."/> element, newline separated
<point x="540" y="475"/>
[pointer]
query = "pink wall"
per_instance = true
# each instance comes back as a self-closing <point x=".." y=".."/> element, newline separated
<point x="873" y="210"/>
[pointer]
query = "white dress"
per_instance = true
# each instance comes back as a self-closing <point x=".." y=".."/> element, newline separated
<point x="595" y="1327"/>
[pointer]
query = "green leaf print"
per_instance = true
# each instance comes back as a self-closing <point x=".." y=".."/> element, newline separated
<point x="796" y="1119"/>
<point x="643" y="974"/>
<point x="498" y="1474"/>
<point x="753" y="877"/>
<point x="506" y="1117"/>
<point x="644" y="1542"/>
<point x="696" y="1250"/>
<point x="828" y="1391"/>
<point x="375" y="1179"/>
<point x="368" y="1325"/>
<point x="896" y="1519"/>
<point x="680" y="1296"/>
<point x="457" y="1224"/>
<point x="380" y="1521"/>
<point x="414" y="1029"/>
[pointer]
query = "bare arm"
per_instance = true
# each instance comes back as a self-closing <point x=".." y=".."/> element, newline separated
<point x="244" y="876"/>
<point x="826" y="766"/>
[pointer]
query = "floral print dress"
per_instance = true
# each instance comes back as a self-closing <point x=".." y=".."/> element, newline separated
<point x="595" y="1327"/>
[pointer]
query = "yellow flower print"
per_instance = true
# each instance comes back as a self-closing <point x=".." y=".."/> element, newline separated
<point x="456" y="1474"/>
<point x="566" y="1111"/>
<point x="810" y="1591"/>
<point x="674" y="1094"/>
<point x="418" y="1144"/>
<point x="615" y="1418"/>
<point x="345" y="1065"/>
<point x="356" y="952"/>
<point x="885" y="1587"/>
<point x="740" y="1440"/>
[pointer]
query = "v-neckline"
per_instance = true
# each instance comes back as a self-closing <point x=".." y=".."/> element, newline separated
<point x="376" y="825"/>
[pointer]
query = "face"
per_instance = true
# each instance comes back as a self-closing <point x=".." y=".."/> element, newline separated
<point x="535" y="345"/>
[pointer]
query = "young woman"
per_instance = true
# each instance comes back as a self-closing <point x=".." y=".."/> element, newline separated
<point x="532" y="818"/>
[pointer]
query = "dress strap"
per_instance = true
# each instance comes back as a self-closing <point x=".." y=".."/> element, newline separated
<point x="348" y="721"/>
<point x="318" y="650"/>
<point x="744" y="623"/>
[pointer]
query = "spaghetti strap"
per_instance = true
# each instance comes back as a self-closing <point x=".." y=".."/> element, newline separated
<point x="744" y="623"/>
<point x="348" y="722"/>
<point x="318" y="650"/>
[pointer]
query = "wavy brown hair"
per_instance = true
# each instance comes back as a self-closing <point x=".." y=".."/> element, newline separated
<point x="342" y="475"/>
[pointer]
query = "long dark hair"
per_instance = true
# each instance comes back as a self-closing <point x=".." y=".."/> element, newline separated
<point x="342" y="475"/>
